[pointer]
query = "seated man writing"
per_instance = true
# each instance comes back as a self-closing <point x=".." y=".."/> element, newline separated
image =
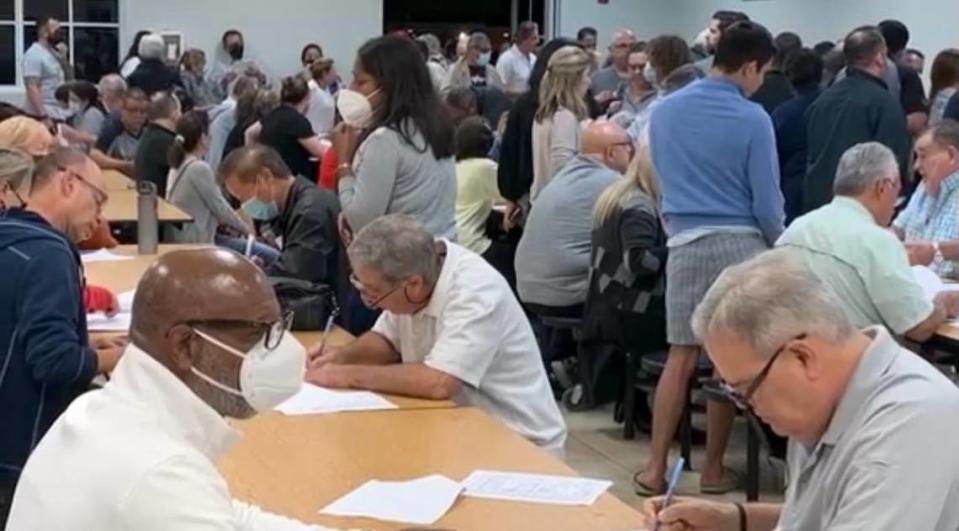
<point x="141" y="453"/>
<point x="867" y="419"/>
<point x="847" y="245"/>
<point x="450" y="329"/>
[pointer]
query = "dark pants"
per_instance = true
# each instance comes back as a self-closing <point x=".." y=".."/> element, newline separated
<point x="6" y="501"/>
<point x="502" y="256"/>
<point x="555" y="345"/>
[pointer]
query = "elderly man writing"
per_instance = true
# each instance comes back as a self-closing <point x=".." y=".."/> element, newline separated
<point x="847" y="245"/>
<point x="450" y="329"/>
<point x="866" y="418"/>
<point x="208" y="341"/>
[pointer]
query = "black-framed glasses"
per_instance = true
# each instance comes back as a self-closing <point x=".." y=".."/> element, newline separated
<point x="273" y="330"/>
<point x="372" y="304"/>
<point x="99" y="195"/>
<point x="742" y="400"/>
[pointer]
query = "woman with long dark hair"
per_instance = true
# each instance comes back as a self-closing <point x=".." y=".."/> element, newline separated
<point x="88" y="113"/>
<point x="395" y="147"/>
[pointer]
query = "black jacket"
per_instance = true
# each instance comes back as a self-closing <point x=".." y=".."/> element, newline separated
<point x="151" y="162"/>
<point x="311" y="243"/>
<point x="154" y="76"/>
<point x="45" y="356"/>
<point x="775" y="90"/>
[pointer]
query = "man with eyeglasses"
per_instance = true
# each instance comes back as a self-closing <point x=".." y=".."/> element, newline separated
<point x="46" y="357"/>
<point x="451" y="329"/>
<point x="607" y="80"/>
<point x="870" y="423"/>
<point x="209" y="342"/>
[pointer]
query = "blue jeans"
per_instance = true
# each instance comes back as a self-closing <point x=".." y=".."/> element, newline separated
<point x="266" y="254"/>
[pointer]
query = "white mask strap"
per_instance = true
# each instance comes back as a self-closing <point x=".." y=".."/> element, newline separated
<point x="214" y="383"/>
<point x="220" y="344"/>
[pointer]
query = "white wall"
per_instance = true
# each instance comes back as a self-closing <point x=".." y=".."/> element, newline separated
<point x="647" y="18"/>
<point x="274" y="30"/>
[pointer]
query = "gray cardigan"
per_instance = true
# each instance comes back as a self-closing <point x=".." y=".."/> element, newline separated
<point x="393" y="177"/>
<point x="194" y="190"/>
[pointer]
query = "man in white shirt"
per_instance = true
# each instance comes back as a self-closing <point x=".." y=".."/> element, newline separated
<point x="515" y="65"/>
<point x="42" y="71"/>
<point x="451" y="329"/>
<point x="141" y="453"/>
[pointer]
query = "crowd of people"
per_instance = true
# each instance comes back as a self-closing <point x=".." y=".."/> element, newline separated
<point x="745" y="197"/>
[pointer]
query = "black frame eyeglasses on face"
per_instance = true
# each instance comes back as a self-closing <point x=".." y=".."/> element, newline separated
<point x="742" y="400"/>
<point x="99" y="196"/>
<point x="274" y="330"/>
<point x="373" y="304"/>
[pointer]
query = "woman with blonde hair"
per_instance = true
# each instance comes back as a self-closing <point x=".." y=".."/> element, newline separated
<point x="562" y="106"/>
<point x="16" y="169"/>
<point x="625" y="304"/>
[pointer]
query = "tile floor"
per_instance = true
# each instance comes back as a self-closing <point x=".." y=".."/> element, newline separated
<point x="596" y="448"/>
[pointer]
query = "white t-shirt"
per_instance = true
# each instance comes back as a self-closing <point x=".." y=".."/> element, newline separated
<point x="515" y="68"/>
<point x="322" y="111"/>
<point x="475" y="330"/>
<point x="40" y="64"/>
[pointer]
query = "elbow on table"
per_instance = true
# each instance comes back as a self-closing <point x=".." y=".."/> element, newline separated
<point x="444" y="387"/>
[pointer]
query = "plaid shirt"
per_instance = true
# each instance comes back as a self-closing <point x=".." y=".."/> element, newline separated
<point x="933" y="219"/>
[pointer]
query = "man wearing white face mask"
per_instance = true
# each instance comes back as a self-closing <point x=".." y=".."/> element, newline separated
<point x="141" y="453"/>
<point x="474" y="68"/>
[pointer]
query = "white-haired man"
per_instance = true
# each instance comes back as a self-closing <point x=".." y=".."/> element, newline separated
<point x="849" y="247"/>
<point x="474" y="68"/>
<point x="451" y="328"/>
<point x="112" y="88"/>
<point x="153" y="75"/>
<point x="867" y="420"/>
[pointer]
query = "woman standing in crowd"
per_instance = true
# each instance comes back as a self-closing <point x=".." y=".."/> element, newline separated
<point x="310" y="53"/>
<point x="249" y="111"/>
<point x="396" y="144"/>
<point x="322" y="109"/>
<point x="666" y="53"/>
<point x="88" y="113"/>
<point x="287" y="130"/>
<point x="562" y="107"/>
<point x="945" y="83"/>
<point x="196" y="86"/>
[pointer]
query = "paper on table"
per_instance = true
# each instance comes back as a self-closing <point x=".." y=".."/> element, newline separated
<point x="103" y="255"/>
<point x="126" y="300"/>
<point x="930" y="281"/>
<point x="420" y="501"/>
<point x="98" y="322"/>
<point x="313" y="400"/>
<point x="535" y="488"/>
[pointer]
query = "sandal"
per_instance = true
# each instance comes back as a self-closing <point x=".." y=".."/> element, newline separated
<point x="645" y="490"/>
<point x="732" y="480"/>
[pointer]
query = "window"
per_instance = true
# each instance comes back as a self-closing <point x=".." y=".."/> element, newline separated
<point x="91" y="31"/>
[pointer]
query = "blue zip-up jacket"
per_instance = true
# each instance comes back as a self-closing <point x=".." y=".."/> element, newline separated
<point x="45" y="357"/>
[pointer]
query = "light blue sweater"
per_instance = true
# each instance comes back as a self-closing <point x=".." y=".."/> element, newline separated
<point x="715" y="154"/>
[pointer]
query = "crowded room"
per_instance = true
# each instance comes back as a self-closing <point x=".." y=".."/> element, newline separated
<point x="315" y="265"/>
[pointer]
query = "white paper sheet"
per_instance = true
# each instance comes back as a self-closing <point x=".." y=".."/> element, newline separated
<point x="420" y="501"/>
<point x="98" y="322"/>
<point x="312" y="400"/>
<point x="126" y="300"/>
<point x="534" y="488"/>
<point x="103" y="255"/>
<point x="930" y="281"/>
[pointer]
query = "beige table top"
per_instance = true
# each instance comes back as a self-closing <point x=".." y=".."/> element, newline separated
<point x="297" y="465"/>
<point x="122" y="206"/>
<point x="948" y="331"/>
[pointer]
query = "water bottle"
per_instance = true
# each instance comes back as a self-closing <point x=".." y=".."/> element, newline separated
<point x="147" y="223"/>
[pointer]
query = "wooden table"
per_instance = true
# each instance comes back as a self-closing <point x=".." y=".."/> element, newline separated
<point x="297" y="465"/>
<point x="122" y="206"/>
<point x="114" y="180"/>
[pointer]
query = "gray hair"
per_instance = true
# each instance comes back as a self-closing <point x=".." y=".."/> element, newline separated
<point x="398" y="248"/>
<point x="16" y="169"/>
<point x="432" y="43"/>
<point x="768" y="300"/>
<point x="863" y="165"/>
<point x="862" y="45"/>
<point x="476" y="39"/>
<point x="945" y="133"/>
<point x="151" y="47"/>
<point x="112" y="84"/>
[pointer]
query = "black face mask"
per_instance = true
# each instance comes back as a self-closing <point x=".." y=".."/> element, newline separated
<point x="235" y="51"/>
<point x="55" y="38"/>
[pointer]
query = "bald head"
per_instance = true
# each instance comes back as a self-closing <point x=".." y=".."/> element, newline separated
<point x="607" y="143"/>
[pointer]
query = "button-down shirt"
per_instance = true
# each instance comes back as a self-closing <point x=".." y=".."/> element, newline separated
<point x="475" y="330"/>
<point x="933" y="219"/>
<point x="140" y="454"/>
<point x="515" y="67"/>
<point x="865" y="264"/>
<point x="884" y="462"/>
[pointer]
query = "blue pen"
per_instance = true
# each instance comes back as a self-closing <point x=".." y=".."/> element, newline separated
<point x="326" y="331"/>
<point x="671" y="486"/>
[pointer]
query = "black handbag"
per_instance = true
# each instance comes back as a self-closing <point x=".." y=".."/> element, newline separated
<point x="312" y="304"/>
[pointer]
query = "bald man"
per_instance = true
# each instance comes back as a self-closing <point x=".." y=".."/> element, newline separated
<point x="607" y="81"/>
<point x="141" y="453"/>
<point x="46" y="357"/>
<point x="552" y="260"/>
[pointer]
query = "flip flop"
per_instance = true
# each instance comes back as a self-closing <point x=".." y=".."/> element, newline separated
<point x="732" y="480"/>
<point x="645" y="490"/>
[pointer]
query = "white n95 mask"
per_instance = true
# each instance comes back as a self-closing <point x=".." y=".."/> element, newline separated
<point x="267" y="377"/>
<point x="355" y="108"/>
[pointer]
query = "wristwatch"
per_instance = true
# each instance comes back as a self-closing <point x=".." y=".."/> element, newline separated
<point x="938" y="257"/>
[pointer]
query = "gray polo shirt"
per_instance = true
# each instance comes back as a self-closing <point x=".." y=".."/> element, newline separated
<point x="888" y="460"/>
<point x="39" y="63"/>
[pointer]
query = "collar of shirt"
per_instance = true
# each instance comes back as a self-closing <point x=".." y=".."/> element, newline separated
<point x="948" y="185"/>
<point x="724" y="84"/>
<point x="519" y="53"/>
<point x="179" y="411"/>
<point x="860" y="73"/>
<point x="875" y="360"/>
<point x="852" y="206"/>
<point x="441" y="290"/>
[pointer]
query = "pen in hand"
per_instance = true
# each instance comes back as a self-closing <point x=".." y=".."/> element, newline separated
<point x="674" y="475"/>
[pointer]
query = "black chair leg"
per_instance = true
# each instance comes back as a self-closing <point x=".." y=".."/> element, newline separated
<point x="629" y="399"/>
<point x="752" y="464"/>
<point x="686" y="430"/>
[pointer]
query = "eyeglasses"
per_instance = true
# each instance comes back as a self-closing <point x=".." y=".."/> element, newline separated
<point x="629" y="146"/>
<point x="99" y="195"/>
<point x="372" y="304"/>
<point x="742" y="400"/>
<point x="274" y="330"/>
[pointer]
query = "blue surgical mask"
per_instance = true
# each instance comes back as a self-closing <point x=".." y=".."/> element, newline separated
<point x="651" y="76"/>
<point x="261" y="210"/>
<point x="484" y="58"/>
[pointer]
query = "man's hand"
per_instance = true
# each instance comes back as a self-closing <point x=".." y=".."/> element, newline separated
<point x="605" y="97"/>
<point x="317" y="358"/>
<point x="344" y="229"/>
<point x="614" y="108"/>
<point x="107" y="359"/>
<point x="109" y="342"/>
<point x="949" y="301"/>
<point x="920" y="253"/>
<point x="512" y="216"/>
<point x="689" y="514"/>
<point x="329" y="376"/>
